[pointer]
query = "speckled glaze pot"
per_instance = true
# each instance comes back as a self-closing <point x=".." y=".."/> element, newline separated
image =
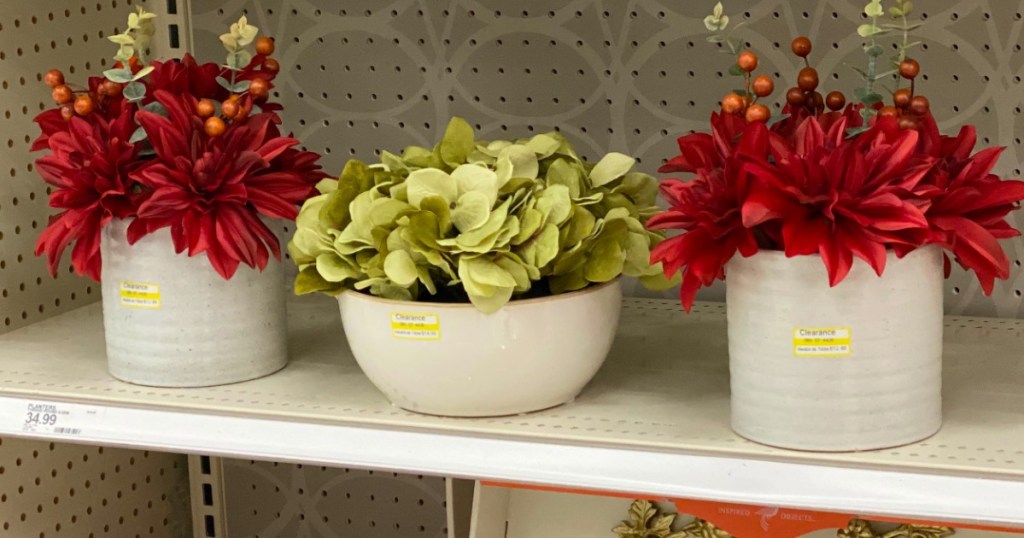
<point x="453" y="360"/>
<point x="854" y="367"/>
<point x="172" y="321"/>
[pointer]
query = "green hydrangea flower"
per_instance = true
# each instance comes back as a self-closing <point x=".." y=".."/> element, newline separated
<point x="481" y="222"/>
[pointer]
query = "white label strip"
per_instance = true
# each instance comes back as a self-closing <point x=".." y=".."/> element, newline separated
<point x="56" y="418"/>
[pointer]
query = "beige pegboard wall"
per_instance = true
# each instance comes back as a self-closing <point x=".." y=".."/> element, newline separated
<point x="269" y="500"/>
<point x="365" y="75"/>
<point x="50" y="490"/>
<point x="34" y="38"/>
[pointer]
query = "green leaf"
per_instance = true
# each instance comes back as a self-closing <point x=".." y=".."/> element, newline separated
<point x="122" y="39"/>
<point x="135" y="91"/>
<point x="156" y="107"/>
<point x="239" y="59"/>
<point x="735" y="70"/>
<point x="868" y="30"/>
<point x="143" y="72"/>
<point x="121" y="76"/>
<point x="876" y="51"/>
<point x="895" y="12"/>
<point x="457" y="143"/>
<point x="611" y="167"/>
<point x="874" y="9"/>
<point x="138" y="136"/>
<point x="871" y="99"/>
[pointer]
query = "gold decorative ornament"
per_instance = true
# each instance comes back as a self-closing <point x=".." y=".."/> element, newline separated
<point x="646" y="522"/>
<point x="700" y="528"/>
<point x="858" y="528"/>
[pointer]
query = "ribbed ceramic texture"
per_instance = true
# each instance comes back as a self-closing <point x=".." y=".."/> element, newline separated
<point x="528" y="356"/>
<point x="886" y="392"/>
<point x="206" y="331"/>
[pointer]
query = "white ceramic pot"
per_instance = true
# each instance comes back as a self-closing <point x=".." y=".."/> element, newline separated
<point x="854" y="367"/>
<point x="172" y="321"/>
<point x="453" y="360"/>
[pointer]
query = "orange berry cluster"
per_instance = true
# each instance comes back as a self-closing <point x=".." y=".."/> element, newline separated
<point x="805" y="93"/>
<point x="74" y="103"/>
<point x="761" y="86"/>
<point x="231" y="109"/>
<point x="907" y="107"/>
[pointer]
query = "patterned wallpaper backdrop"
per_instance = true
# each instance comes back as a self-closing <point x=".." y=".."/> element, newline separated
<point x="625" y="75"/>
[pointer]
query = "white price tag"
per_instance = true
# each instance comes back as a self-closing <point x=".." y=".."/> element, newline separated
<point x="55" y="418"/>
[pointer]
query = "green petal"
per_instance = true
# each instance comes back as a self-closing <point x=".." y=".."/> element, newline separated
<point x="517" y="161"/>
<point x="309" y="281"/>
<point x="482" y="239"/>
<point x="473" y="178"/>
<point x="457" y="143"/>
<point x="472" y="211"/>
<point x="606" y="260"/>
<point x="641" y="188"/>
<point x="543" y="248"/>
<point x="421" y="157"/>
<point x="611" y="167"/>
<point x="543" y="145"/>
<point x="561" y="172"/>
<point x="580" y="227"/>
<point x="529" y="224"/>
<point x="518" y="272"/>
<point x="441" y="209"/>
<point x="431" y="182"/>
<point x="481" y="270"/>
<point x="335" y="269"/>
<point x="400" y="268"/>
<point x="555" y="204"/>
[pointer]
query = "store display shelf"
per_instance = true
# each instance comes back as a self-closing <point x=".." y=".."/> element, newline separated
<point x="654" y="422"/>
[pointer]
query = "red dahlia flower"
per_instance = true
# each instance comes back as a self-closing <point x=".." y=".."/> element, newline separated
<point x="968" y="203"/>
<point x="841" y="197"/>
<point x="709" y="207"/>
<point x="809" y="187"/>
<point x="210" y="191"/>
<point x="89" y="164"/>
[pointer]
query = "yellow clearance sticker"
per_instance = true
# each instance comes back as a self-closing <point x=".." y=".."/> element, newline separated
<point x="140" y="295"/>
<point x="415" y="326"/>
<point x="822" y="342"/>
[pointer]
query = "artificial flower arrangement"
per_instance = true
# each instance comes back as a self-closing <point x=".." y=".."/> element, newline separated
<point x="827" y="177"/>
<point x="476" y="221"/>
<point x="834" y="224"/>
<point x="172" y="144"/>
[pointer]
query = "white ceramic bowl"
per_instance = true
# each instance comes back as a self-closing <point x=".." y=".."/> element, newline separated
<point x="453" y="360"/>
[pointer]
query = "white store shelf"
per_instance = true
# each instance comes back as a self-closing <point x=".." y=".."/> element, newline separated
<point x="654" y="421"/>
